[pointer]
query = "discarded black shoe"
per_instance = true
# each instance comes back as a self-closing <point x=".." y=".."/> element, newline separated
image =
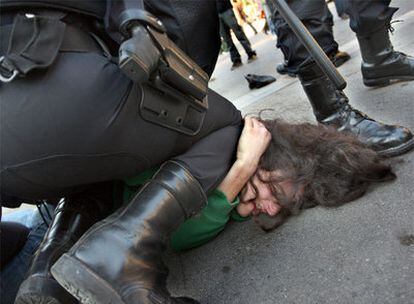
<point x="258" y="81"/>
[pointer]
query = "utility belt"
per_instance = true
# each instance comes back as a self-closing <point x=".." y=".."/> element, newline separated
<point x="33" y="41"/>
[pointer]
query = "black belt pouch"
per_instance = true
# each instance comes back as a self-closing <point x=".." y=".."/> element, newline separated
<point x="34" y="42"/>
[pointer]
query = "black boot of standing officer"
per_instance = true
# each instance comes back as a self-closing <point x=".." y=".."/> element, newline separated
<point x="368" y="18"/>
<point x="381" y="64"/>
<point x="331" y="108"/>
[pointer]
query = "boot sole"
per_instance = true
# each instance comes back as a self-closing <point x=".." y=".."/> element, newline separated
<point x="287" y="73"/>
<point x="41" y="290"/>
<point x="83" y="283"/>
<point x="36" y="299"/>
<point x="341" y="61"/>
<point x="395" y="151"/>
<point x="384" y="81"/>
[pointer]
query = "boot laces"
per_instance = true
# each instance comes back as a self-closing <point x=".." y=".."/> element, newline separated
<point x="346" y="110"/>
<point x="390" y="27"/>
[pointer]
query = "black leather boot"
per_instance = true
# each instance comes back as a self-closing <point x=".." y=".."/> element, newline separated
<point x="380" y="63"/>
<point x="338" y="58"/>
<point x="283" y="69"/>
<point x="71" y="219"/>
<point x="258" y="81"/>
<point x="119" y="259"/>
<point x="331" y="108"/>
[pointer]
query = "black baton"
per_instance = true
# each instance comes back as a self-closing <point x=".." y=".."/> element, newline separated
<point x="310" y="44"/>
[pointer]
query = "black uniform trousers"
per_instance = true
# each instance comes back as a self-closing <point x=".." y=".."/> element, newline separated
<point x="366" y="17"/>
<point x="77" y="123"/>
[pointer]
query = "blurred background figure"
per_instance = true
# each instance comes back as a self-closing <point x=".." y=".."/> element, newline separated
<point x="244" y="18"/>
<point x="267" y="15"/>
<point x="228" y="22"/>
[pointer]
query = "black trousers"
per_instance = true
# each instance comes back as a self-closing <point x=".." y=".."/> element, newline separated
<point x="366" y="17"/>
<point x="341" y="7"/>
<point x="77" y="124"/>
<point x="193" y="26"/>
<point x="228" y="22"/>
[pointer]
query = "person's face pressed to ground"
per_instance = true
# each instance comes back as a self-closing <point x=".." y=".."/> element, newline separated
<point x="258" y="191"/>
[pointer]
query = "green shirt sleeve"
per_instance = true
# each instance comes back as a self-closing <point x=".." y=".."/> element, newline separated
<point x="235" y="216"/>
<point x="206" y="225"/>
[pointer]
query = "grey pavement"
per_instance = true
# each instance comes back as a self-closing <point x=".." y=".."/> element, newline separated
<point x="362" y="252"/>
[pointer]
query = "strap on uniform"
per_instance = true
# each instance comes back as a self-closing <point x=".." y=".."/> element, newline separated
<point x="35" y="41"/>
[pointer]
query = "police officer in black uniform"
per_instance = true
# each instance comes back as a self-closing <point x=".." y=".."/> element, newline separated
<point x="370" y="20"/>
<point x="75" y="118"/>
<point x="72" y="122"/>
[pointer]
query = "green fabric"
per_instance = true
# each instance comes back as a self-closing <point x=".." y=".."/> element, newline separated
<point x="205" y="226"/>
<point x="235" y="216"/>
<point x="200" y="229"/>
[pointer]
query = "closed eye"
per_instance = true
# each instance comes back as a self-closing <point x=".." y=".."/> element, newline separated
<point x="248" y="193"/>
<point x="254" y="188"/>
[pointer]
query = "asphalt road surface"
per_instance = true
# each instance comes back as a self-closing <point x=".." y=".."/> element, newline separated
<point x="362" y="252"/>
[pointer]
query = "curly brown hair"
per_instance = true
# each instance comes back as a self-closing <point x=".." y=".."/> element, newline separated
<point x="332" y="168"/>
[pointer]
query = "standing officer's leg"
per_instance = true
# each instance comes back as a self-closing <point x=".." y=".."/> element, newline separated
<point x="331" y="106"/>
<point x="314" y="15"/>
<point x="370" y="20"/>
<point x="325" y="16"/>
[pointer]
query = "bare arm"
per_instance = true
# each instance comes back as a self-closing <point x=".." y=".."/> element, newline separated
<point x="252" y="143"/>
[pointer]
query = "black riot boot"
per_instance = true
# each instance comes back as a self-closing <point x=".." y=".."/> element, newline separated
<point x="380" y="63"/>
<point x="283" y="69"/>
<point x="71" y="219"/>
<point x="119" y="260"/>
<point x="338" y="58"/>
<point x="331" y="108"/>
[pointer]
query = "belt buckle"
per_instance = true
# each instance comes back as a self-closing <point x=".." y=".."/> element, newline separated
<point x="7" y="78"/>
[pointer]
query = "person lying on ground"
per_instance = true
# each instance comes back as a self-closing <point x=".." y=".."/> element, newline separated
<point x="280" y="170"/>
